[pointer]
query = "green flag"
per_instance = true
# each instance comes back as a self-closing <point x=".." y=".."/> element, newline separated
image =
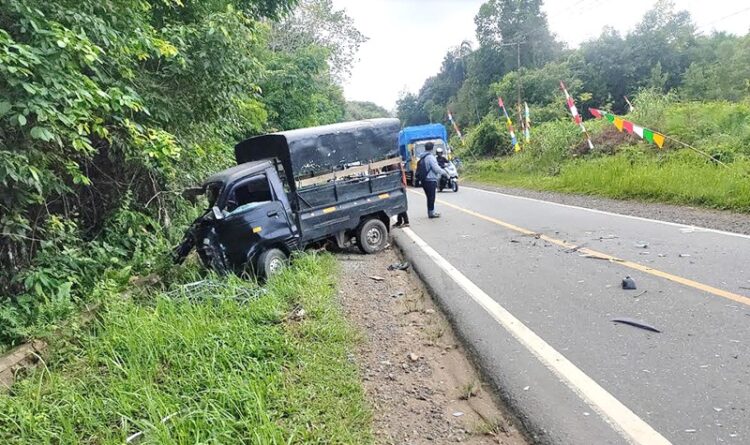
<point x="611" y="117"/>
<point x="648" y="135"/>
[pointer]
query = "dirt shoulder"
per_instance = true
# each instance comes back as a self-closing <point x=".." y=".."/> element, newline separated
<point x="420" y="383"/>
<point x="692" y="216"/>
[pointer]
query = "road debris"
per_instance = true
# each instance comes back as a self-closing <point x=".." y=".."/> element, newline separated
<point x="595" y="257"/>
<point x="684" y="255"/>
<point x="642" y="245"/>
<point x="608" y="237"/>
<point x="628" y="284"/>
<point x="641" y="294"/>
<point x="458" y="414"/>
<point x="515" y="241"/>
<point x="399" y="266"/>
<point x="376" y="278"/>
<point x="413" y="357"/>
<point x="636" y="323"/>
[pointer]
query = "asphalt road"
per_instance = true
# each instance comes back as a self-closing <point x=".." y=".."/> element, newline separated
<point x="533" y="287"/>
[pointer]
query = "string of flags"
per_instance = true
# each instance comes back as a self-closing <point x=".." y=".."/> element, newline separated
<point x="513" y="138"/>
<point x="576" y="115"/>
<point x="455" y="127"/>
<point x="631" y="128"/>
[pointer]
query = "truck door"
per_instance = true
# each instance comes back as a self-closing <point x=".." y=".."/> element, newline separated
<point x="254" y="219"/>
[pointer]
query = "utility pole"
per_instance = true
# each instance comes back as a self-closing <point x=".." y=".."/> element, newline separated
<point x="519" y="82"/>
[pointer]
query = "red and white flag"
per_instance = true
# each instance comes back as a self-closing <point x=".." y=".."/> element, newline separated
<point x="576" y="115"/>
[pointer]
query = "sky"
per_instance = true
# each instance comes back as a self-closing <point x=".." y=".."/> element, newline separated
<point x="409" y="38"/>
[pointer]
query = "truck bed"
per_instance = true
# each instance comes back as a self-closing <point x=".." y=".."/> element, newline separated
<point x="340" y="205"/>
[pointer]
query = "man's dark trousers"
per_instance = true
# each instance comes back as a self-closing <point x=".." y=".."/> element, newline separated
<point x="430" y="188"/>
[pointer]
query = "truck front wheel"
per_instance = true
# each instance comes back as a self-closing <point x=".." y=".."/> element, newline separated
<point x="272" y="262"/>
<point x="372" y="236"/>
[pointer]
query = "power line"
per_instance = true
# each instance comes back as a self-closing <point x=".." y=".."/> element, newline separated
<point x="726" y="17"/>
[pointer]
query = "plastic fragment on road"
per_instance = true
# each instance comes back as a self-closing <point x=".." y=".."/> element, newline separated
<point x="628" y="284"/>
<point x="376" y="278"/>
<point x="636" y="323"/>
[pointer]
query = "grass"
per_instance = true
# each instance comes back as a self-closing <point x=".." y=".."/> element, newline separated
<point x="218" y="366"/>
<point x="678" y="177"/>
<point x="623" y="167"/>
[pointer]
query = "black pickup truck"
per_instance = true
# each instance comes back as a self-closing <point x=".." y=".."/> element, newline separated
<point x="292" y="189"/>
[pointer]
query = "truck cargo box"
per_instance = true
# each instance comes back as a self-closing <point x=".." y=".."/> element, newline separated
<point x="315" y="151"/>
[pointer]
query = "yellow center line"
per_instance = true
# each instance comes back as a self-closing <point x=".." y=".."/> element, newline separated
<point x="629" y="264"/>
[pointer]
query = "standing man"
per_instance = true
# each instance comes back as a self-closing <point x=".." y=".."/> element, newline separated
<point x="432" y="175"/>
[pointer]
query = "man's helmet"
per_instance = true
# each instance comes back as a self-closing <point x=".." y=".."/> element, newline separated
<point x="439" y="150"/>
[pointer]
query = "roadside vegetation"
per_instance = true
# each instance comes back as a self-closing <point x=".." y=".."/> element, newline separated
<point x="110" y="109"/>
<point x="206" y="360"/>
<point x="688" y="85"/>
<point x="623" y="167"/>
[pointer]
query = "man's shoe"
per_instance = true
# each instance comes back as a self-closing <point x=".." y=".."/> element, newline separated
<point x="398" y="225"/>
<point x="404" y="225"/>
<point x="434" y="216"/>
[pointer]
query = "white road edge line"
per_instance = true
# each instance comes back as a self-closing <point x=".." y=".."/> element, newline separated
<point x="604" y="212"/>
<point x="619" y="416"/>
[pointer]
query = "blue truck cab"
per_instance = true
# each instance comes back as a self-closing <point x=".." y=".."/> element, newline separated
<point x="412" y="141"/>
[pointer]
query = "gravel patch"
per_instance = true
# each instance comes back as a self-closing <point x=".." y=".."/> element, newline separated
<point x="422" y="387"/>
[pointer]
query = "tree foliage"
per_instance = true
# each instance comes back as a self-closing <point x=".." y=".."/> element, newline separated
<point x="664" y="52"/>
<point x="356" y="110"/>
<point x="108" y="108"/>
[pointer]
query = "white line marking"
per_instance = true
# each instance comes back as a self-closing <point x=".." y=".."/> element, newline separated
<point x="622" y="419"/>
<point x="604" y="212"/>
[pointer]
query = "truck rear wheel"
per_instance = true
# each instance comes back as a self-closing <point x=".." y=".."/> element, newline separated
<point x="372" y="236"/>
<point x="271" y="262"/>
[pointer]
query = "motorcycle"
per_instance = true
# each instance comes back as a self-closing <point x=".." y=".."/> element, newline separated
<point x="451" y="182"/>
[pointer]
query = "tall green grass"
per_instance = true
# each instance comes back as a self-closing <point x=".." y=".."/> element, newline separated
<point x="623" y="167"/>
<point x="221" y="367"/>
<point x="680" y="178"/>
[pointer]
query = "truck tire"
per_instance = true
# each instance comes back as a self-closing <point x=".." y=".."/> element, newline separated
<point x="271" y="262"/>
<point x="372" y="236"/>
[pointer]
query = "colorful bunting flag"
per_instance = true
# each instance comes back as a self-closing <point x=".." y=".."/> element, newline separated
<point x="622" y="124"/>
<point x="596" y="113"/>
<point x="509" y="123"/>
<point x="659" y="139"/>
<point x="455" y="127"/>
<point x="637" y="129"/>
<point x="576" y="116"/>
<point x="619" y="123"/>
<point x="527" y="126"/>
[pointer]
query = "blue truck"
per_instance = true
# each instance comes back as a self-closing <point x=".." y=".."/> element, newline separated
<point x="411" y="142"/>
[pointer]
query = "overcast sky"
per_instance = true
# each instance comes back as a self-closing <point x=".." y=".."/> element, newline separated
<point x="408" y="38"/>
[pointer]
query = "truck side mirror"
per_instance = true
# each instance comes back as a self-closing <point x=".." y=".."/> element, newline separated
<point x="218" y="214"/>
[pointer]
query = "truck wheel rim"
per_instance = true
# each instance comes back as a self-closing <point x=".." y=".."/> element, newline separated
<point x="373" y="237"/>
<point x="276" y="266"/>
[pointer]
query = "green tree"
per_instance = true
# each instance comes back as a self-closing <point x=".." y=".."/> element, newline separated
<point x="356" y="110"/>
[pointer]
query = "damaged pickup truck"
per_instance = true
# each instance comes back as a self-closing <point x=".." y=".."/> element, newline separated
<point x="290" y="190"/>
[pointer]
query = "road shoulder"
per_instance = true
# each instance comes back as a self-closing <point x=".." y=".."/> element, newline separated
<point x="692" y="216"/>
<point x="421" y="385"/>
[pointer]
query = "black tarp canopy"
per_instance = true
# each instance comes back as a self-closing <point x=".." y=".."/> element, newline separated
<point x="314" y="151"/>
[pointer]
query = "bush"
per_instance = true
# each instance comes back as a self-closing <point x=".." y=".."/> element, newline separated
<point x="489" y="138"/>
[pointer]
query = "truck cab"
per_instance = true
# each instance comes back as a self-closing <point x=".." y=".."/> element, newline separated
<point x="283" y="197"/>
